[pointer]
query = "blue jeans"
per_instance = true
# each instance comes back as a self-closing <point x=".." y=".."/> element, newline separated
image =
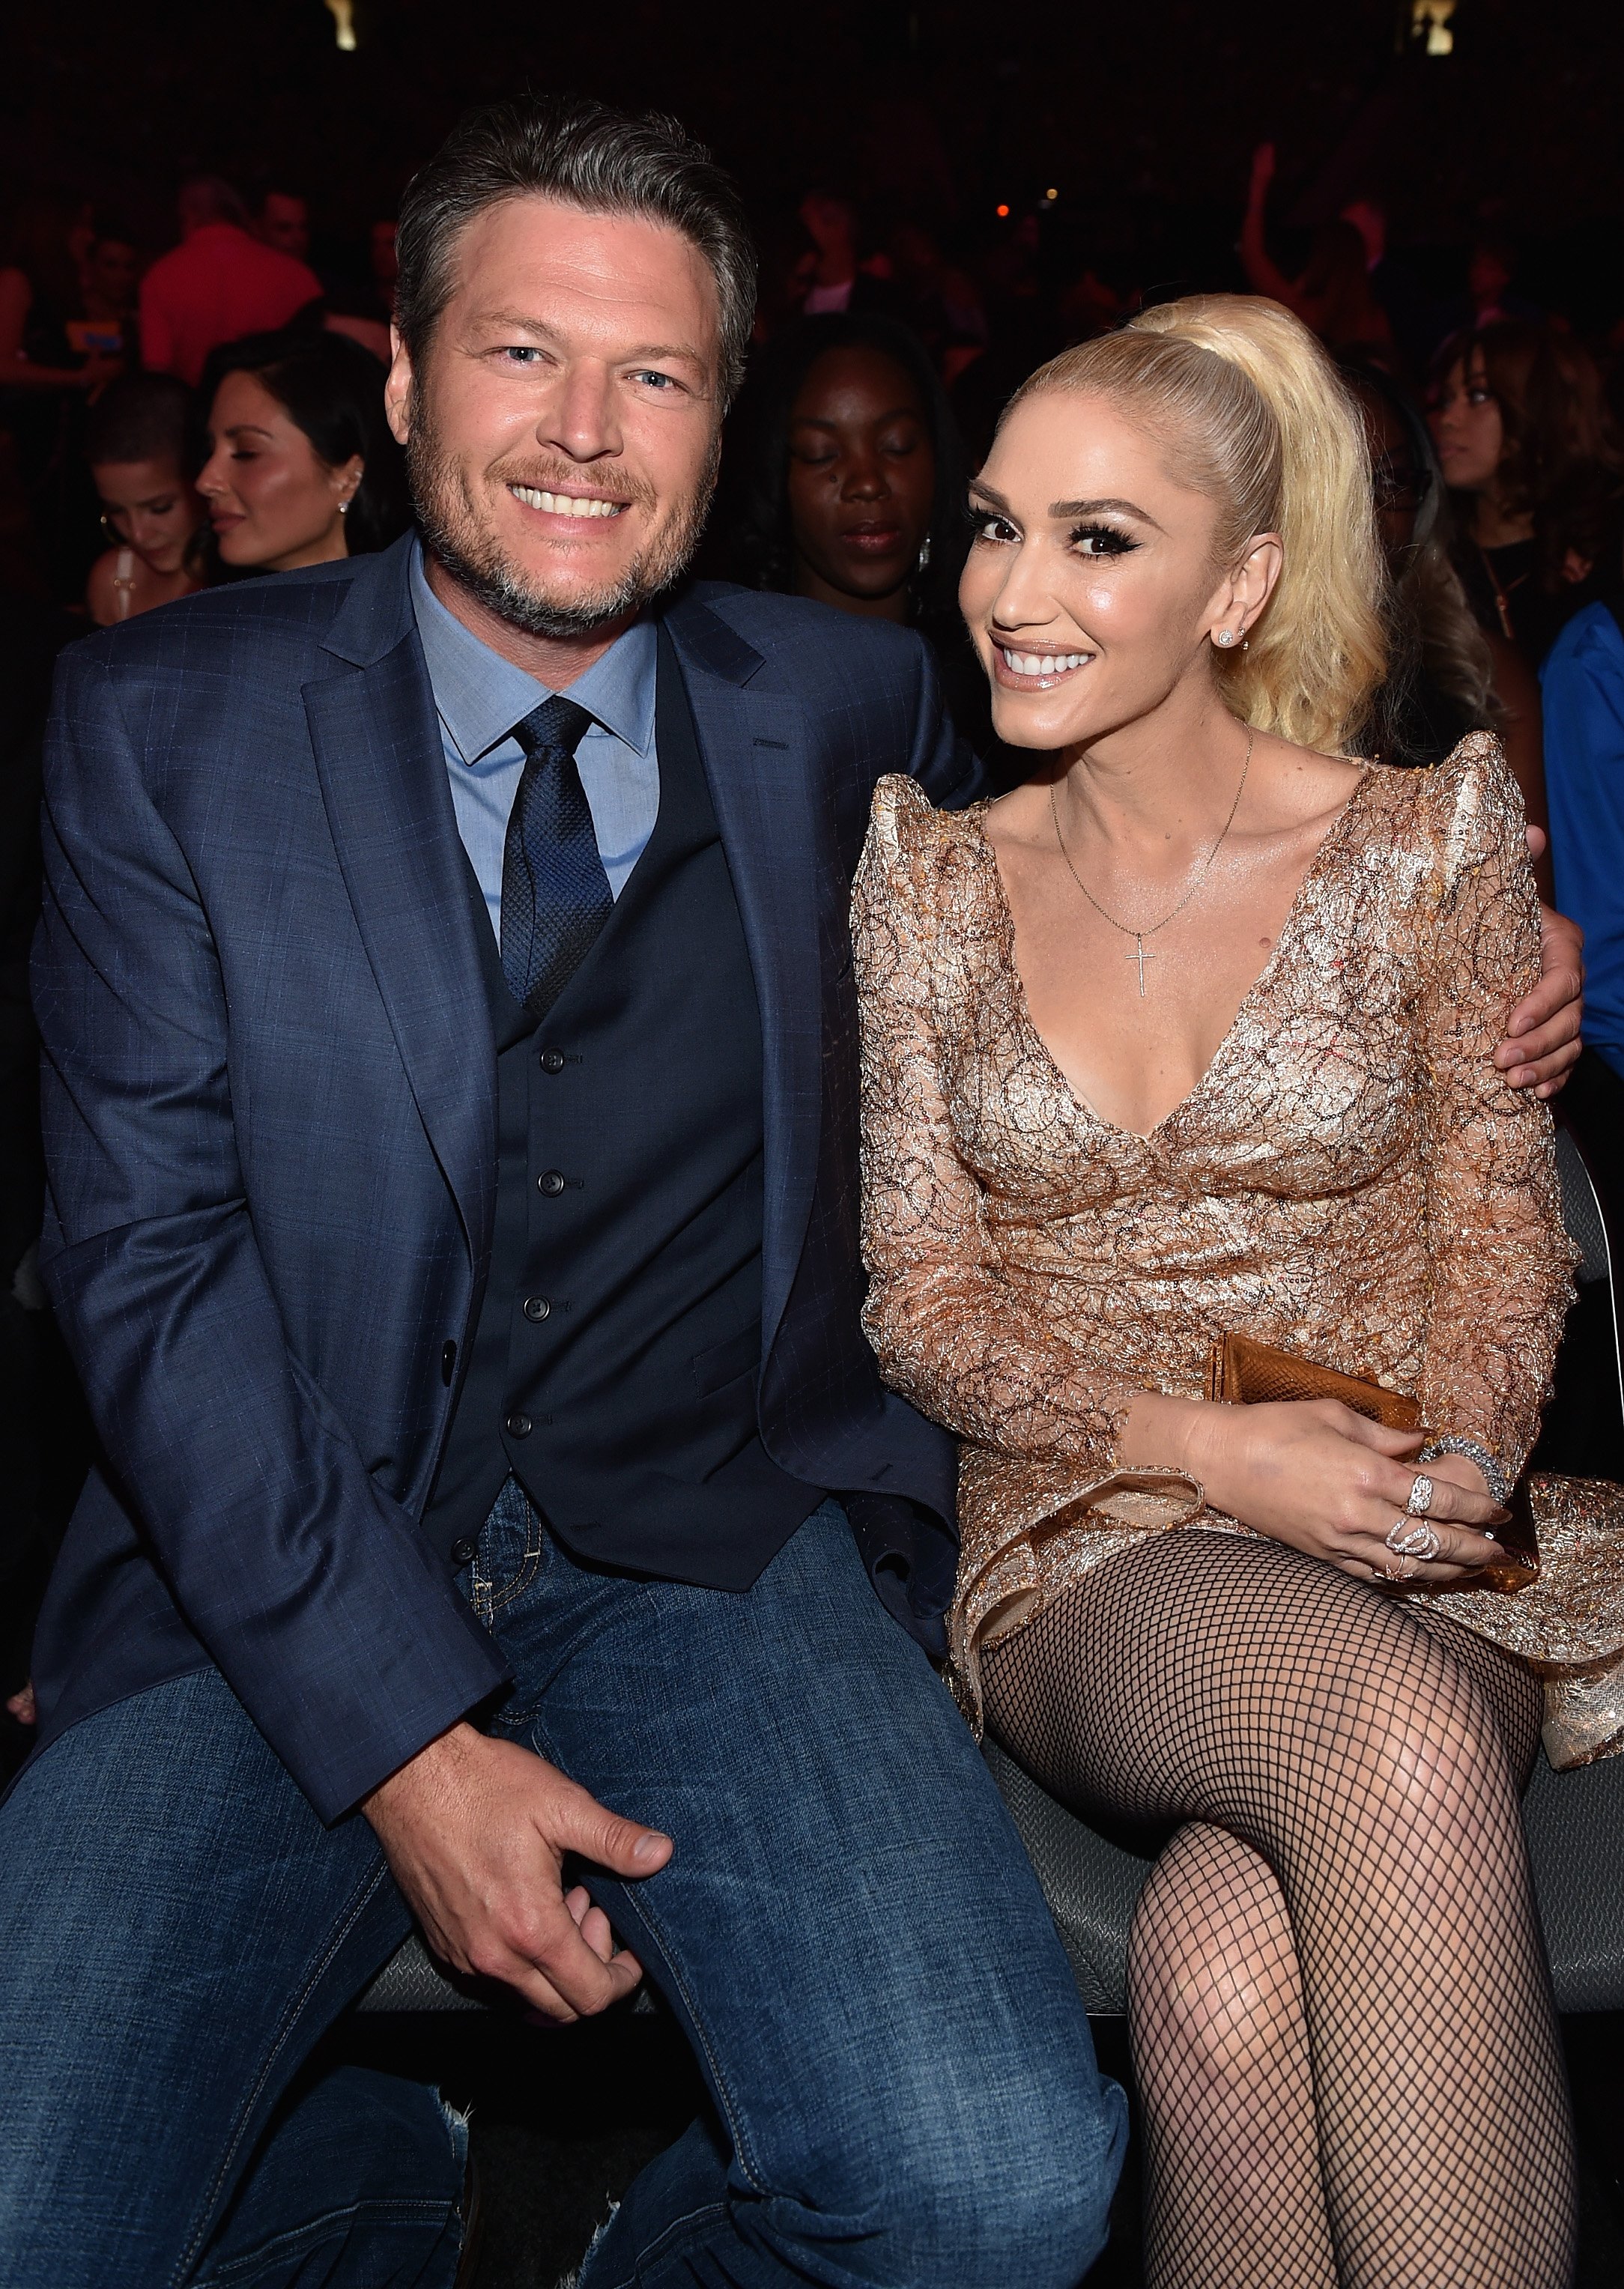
<point x="905" y="2090"/>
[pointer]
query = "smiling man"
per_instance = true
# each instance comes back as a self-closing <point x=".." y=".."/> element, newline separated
<point x="451" y="1074"/>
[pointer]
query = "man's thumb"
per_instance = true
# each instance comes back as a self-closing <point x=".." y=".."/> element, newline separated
<point x="626" y="1847"/>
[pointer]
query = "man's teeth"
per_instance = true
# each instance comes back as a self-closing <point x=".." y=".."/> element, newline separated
<point x="564" y="504"/>
<point x="1045" y="663"/>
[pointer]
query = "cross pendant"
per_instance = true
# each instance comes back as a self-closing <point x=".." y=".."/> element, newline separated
<point x="1142" y="957"/>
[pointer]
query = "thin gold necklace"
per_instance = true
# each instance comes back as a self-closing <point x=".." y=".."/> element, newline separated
<point x="1140" y="935"/>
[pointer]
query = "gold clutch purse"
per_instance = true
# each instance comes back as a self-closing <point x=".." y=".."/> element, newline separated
<point x="1245" y="1372"/>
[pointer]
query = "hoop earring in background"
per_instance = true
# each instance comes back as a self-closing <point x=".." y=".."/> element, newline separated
<point x="924" y="554"/>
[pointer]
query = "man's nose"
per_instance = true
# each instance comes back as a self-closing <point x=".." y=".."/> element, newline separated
<point x="580" y="418"/>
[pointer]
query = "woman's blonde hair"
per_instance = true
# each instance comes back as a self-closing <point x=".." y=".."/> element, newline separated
<point x="1252" y="412"/>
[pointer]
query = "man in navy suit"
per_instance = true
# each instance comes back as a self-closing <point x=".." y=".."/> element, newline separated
<point x="450" y="1072"/>
<point x="452" y="1130"/>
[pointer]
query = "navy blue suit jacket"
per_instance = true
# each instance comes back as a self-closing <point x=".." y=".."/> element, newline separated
<point x="270" y="1085"/>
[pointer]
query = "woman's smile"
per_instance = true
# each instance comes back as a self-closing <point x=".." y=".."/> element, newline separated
<point x="1039" y="670"/>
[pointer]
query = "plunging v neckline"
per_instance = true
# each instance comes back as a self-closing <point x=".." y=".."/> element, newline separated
<point x="1254" y="992"/>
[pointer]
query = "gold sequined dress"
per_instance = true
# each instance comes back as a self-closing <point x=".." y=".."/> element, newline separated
<point x="1351" y="1180"/>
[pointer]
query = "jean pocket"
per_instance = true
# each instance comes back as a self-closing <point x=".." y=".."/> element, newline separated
<point x="509" y="1551"/>
<point x="725" y="1363"/>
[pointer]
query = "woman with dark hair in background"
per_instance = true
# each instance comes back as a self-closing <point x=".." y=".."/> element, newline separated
<point x="1523" y="436"/>
<point x="136" y="445"/>
<point x="1446" y="676"/>
<point x="845" y="477"/>
<point x="301" y="468"/>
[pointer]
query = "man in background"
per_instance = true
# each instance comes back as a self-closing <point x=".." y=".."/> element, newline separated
<point x="220" y="284"/>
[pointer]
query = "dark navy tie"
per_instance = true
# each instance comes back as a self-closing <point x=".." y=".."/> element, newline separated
<point x="556" y="895"/>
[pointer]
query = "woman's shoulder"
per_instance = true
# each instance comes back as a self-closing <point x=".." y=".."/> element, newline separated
<point x="906" y="831"/>
<point x="1459" y="810"/>
<point x="916" y="855"/>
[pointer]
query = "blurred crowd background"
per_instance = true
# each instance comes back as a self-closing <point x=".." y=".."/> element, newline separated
<point x="196" y="273"/>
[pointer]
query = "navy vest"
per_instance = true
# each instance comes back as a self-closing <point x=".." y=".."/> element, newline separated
<point x="617" y="1349"/>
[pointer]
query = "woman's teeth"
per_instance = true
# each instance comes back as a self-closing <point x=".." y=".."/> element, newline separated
<point x="1045" y="663"/>
<point x="564" y="504"/>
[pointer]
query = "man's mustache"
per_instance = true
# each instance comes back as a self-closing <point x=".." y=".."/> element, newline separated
<point x="554" y="477"/>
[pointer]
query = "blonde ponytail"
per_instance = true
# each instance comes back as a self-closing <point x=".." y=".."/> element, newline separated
<point x="1253" y="413"/>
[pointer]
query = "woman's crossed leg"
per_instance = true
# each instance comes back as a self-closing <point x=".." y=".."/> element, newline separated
<point x="1342" y="2025"/>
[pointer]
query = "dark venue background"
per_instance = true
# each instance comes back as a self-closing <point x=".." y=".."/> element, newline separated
<point x="1142" y="117"/>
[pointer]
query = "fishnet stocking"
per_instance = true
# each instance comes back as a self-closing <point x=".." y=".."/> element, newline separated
<point x="1342" y="2025"/>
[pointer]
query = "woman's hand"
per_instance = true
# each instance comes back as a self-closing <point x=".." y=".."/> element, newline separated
<point x="1313" y="1473"/>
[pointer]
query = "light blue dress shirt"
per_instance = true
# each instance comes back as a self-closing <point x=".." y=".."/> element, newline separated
<point x="1582" y="683"/>
<point x="479" y="696"/>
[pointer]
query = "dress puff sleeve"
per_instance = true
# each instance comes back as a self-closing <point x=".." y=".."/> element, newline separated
<point x="1500" y="1259"/>
<point x="947" y="1331"/>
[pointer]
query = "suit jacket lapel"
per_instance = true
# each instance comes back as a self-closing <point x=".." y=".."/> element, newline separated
<point x="382" y="771"/>
<point x="754" y="746"/>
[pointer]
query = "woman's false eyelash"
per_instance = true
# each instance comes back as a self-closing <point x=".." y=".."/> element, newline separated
<point x="1119" y="541"/>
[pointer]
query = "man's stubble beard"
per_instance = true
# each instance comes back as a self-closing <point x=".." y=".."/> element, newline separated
<point x="453" y="532"/>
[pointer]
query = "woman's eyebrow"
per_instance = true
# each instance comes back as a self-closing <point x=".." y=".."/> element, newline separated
<point x="1095" y="508"/>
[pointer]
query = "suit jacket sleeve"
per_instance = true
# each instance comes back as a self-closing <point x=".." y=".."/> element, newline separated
<point x="312" y="1590"/>
<point x="943" y="761"/>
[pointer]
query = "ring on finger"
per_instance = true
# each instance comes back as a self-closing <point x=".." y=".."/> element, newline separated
<point x="1398" y="1570"/>
<point x="1420" y="1496"/>
<point x="1409" y="1537"/>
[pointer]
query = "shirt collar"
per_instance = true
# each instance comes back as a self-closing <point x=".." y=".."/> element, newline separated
<point x="480" y="696"/>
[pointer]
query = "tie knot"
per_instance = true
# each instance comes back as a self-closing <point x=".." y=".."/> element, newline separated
<point x="554" y="728"/>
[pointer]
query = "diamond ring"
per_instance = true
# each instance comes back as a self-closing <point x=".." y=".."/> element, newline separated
<point x="1409" y="1537"/>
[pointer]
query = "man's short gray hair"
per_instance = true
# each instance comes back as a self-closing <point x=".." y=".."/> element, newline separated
<point x="586" y="155"/>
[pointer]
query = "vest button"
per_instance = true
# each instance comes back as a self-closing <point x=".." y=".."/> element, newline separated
<point x="518" y="1426"/>
<point x="537" y="1307"/>
<point x="551" y="1184"/>
<point x="464" y="1552"/>
<point x="552" y="1060"/>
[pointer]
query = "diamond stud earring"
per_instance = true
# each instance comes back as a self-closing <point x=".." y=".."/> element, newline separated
<point x="1225" y="636"/>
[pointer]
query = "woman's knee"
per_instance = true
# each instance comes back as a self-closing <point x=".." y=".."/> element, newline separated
<point x="1212" y="1975"/>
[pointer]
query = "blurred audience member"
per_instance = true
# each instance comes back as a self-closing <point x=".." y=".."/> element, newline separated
<point x="109" y="282"/>
<point x="1490" y="266"/>
<point x="384" y="264"/>
<point x="1410" y="309"/>
<point x="1525" y="447"/>
<point x="1446" y="675"/>
<point x="1334" y="294"/>
<point x="283" y="222"/>
<point x="943" y="303"/>
<point x="836" y="280"/>
<point x="845" y="483"/>
<point x="136" y="445"/>
<point x="39" y="297"/>
<point x="220" y="284"/>
<point x="301" y="467"/>
<point x="1583" y="681"/>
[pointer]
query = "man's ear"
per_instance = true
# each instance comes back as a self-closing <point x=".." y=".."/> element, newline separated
<point x="397" y="388"/>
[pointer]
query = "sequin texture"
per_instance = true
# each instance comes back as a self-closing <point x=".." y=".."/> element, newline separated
<point x="1351" y="1180"/>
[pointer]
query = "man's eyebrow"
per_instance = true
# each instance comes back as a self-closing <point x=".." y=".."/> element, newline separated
<point x="522" y="323"/>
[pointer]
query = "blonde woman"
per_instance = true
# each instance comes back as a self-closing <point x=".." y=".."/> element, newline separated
<point x="1193" y="1035"/>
